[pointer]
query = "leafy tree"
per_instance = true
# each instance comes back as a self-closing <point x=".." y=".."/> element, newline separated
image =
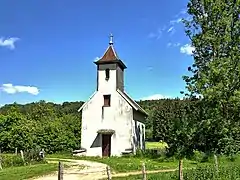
<point x="213" y="28"/>
<point x="183" y="131"/>
<point x="50" y="126"/>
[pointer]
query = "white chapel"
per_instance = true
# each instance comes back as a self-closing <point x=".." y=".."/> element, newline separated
<point x="113" y="124"/>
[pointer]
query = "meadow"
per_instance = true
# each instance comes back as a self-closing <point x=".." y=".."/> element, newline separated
<point x="231" y="172"/>
<point x="198" y="167"/>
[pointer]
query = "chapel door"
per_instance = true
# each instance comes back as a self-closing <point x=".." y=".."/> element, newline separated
<point x="106" y="145"/>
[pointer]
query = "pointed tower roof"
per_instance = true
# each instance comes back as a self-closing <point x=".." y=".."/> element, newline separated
<point x="110" y="55"/>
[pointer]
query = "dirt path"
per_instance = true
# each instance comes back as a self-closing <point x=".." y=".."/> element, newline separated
<point x="91" y="171"/>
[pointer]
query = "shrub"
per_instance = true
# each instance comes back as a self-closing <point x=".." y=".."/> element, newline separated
<point x="148" y="135"/>
<point x="32" y="156"/>
<point x="230" y="172"/>
<point x="9" y="160"/>
<point x="199" y="156"/>
<point x="150" y="153"/>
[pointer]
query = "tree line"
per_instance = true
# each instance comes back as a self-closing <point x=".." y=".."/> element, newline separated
<point x="57" y="127"/>
<point x="53" y="127"/>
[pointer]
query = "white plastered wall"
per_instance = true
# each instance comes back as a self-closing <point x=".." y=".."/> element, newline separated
<point x="117" y="117"/>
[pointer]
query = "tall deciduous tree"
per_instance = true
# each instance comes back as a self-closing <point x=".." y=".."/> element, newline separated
<point x="214" y="30"/>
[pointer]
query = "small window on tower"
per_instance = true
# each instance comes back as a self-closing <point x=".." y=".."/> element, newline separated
<point x="107" y="99"/>
<point x="107" y="72"/>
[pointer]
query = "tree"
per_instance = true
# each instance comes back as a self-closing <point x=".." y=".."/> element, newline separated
<point x="214" y="30"/>
<point x="183" y="132"/>
<point x="53" y="127"/>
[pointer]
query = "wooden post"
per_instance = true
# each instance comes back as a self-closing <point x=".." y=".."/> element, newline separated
<point x="180" y="169"/>
<point x="144" y="176"/>
<point x="60" y="171"/>
<point x="0" y="160"/>
<point x="16" y="151"/>
<point x="109" y="173"/>
<point x="22" y="155"/>
<point x="216" y="163"/>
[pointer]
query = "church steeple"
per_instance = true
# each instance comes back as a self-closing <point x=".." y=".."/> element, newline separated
<point x="110" y="56"/>
<point x="110" y="69"/>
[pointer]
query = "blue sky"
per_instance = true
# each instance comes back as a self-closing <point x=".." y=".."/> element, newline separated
<point x="47" y="48"/>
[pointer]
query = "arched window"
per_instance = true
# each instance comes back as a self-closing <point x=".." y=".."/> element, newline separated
<point x="107" y="73"/>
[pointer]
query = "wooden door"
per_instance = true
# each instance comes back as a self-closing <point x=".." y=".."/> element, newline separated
<point x="106" y="145"/>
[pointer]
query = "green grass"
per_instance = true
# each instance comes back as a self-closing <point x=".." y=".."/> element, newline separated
<point x="156" y="145"/>
<point x="157" y="176"/>
<point x="226" y="172"/>
<point x="128" y="164"/>
<point x="25" y="172"/>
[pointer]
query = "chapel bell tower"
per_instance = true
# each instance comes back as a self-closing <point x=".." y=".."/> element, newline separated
<point x="110" y="70"/>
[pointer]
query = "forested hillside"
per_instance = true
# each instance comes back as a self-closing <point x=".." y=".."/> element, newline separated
<point x="57" y="127"/>
<point x="53" y="127"/>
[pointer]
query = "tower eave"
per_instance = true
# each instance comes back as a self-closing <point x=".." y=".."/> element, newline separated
<point x="118" y="61"/>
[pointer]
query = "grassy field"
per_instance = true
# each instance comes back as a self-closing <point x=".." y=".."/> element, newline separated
<point x="158" y="176"/>
<point x="133" y="163"/>
<point x="128" y="164"/>
<point x="226" y="172"/>
<point x="118" y="164"/>
<point x="156" y="145"/>
<point x="25" y="172"/>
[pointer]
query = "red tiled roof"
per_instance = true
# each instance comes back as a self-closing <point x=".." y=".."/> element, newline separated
<point x="109" y="55"/>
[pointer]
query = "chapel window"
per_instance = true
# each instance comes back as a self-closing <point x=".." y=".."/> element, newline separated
<point x="107" y="73"/>
<point x="107" y="100"/>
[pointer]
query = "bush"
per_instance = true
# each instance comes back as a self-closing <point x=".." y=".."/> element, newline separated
<point x="150" y="153"/>
<point x="148" y="135"/>
<point x="199" y="156"/>
<point x="231" y="172"/>
<point x="32" y="156"/>
<point x="9" y="160"/>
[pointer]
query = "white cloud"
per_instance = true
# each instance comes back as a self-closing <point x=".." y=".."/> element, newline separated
<point x="11" y="89"/>
<point x="187" y="49"/>
<point x="155" y="97"/>
<point x="9" y="43"/>
<point x="158" y="34"/>
<point x="151" y="35"/>
<point x="173" y="44"/>
<point x="170" y="29"/>
<point x="182" y="12"/>
<point x="171" y="26"/>
<point x="176" y="21"/>
<point x="150" y="68"/>
<point x="169" y="44"/>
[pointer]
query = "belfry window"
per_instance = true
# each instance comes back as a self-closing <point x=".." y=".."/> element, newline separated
<point x="107" y="100"/>
<point x="107" y="73"/>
